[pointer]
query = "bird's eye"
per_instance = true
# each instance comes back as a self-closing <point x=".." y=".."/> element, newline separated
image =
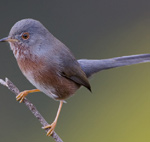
<point x="25" y="36"/>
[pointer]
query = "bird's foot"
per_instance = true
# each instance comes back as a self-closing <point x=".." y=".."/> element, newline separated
<point x="51" y="128"/>
<point x="22" y="95"/>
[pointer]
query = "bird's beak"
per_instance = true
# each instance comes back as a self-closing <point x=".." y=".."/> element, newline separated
<point x="7" y="39"/>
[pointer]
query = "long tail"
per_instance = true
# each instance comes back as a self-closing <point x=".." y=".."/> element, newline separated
<point x="93" y="66"/>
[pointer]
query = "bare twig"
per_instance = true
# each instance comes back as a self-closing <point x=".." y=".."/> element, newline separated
<point x="31" y="107"/>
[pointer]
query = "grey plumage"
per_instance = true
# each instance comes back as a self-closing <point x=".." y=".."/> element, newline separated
<point x="50" y="66"/>
<point x="93" y="66"/>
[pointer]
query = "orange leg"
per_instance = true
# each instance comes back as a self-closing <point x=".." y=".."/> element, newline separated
<point x="23" y="94"/>
<point x="53" y="125"/>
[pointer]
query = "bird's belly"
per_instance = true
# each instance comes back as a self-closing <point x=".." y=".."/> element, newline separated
<point x="48" y="90"/>
<point x="58" y="88"/>
<point x="48" y="80"/>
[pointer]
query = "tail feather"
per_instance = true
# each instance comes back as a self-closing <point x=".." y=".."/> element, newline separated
<point x="93" y="66"/>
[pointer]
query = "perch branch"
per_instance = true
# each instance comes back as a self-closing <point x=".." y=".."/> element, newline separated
<point x="30" y="106"/>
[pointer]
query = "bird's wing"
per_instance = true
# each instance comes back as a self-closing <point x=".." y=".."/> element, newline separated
<point x="72" y="70"/>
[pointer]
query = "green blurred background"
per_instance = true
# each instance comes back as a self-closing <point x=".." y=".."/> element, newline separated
<point x="118" y="110"/>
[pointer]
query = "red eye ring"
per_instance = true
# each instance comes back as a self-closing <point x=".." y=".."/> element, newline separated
<point x="25" y="36"/>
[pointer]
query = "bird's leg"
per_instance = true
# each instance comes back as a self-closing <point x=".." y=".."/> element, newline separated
<point x="53" y="125"/>
<point x="23" y="94"/>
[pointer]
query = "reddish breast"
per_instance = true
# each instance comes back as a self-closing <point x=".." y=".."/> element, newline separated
<point x="47" y="79"/>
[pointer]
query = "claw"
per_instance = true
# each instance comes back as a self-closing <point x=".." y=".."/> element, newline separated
<point x="21" y="96"/>
<point x="53" y="125"/>
<point x="51" y="128"/>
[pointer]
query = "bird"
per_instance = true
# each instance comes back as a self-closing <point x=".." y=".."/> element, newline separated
<point x="46" y="62"/>
<point x="51" y="67"/>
